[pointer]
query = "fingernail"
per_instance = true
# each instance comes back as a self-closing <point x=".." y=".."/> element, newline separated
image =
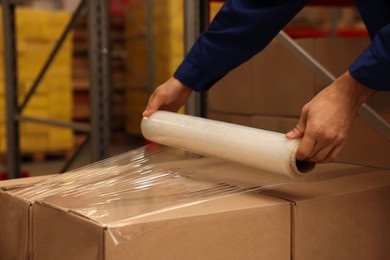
<point x="290" y="134"/>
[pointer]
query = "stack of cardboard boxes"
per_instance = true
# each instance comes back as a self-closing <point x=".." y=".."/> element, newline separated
<point x="342" y="212"/>
<point x="37" y="32"/>
<point x="270" y="90"/>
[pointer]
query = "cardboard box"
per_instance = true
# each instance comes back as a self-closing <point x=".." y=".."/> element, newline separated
<point x="340" y="218"/>
<point x="7" y="185"/>
<point x="282" y="83"/>
<point x="341" y="212"/>
<point x="241" y="226"/>
<point x="337" y="54"/>
<point x="15" y="219"/>
<point x="273" y="82"/>
<point x="117" y="210"/>
<point x="276" y="83"/>
<point x="233" y="93"/>
<point x="366" y="145"/>
<point x="231" y="118"/>
<point x="270" y="123"/>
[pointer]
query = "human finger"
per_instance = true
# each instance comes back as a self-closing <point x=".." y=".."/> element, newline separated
<point x="296" y="133"/>
<point x="321" y="152"/>
<point x="333" y="154"/>
<point x="306" y="147"/>
<point x="154" y="104"/>
<point x="299" y="130"/>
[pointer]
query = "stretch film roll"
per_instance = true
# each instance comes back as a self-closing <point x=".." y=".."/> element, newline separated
<point x="266" y="150"/>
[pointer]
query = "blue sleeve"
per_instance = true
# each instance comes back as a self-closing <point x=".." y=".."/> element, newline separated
<point x="241" y="29"/>
<point x="372" y="67"/>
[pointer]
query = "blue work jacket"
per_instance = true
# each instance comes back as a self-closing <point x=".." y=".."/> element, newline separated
<point x="242" y="28"/>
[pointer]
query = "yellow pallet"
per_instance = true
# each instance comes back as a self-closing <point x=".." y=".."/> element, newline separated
<point x="40" y="24"/>
<point x="37" y="33"/>
<point x="60" y="139"/>
<point x="168" y="19"/>
<point x="168" y="33"/>
<point x="34" y="143"/>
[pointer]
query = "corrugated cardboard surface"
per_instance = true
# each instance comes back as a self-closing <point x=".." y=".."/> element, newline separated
<point x="367" y="146"/>
<point x="282" y="83"/>
<point x="276" y="83"/>
<point x="337" y="54"/>
<point x="244" y="120"/>
<point x="14" y="183"/>
<point x="341" y="212"/>
<point x="233" y="93"/>
<point x="14" y="227"/>
<point x="341" y="218"/>
<point x="241" y="226"/>
<point x="15" y="219"/>
<point x="273" y="82"/>
<point x="58" y="234"/>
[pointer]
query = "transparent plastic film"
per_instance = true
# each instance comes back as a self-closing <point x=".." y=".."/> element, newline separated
<point x="120" y="192"/>
<point x="130" y="164"/>
<point x="265" y="150"/>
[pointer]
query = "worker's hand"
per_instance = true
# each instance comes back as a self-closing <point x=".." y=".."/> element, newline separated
<point x="326" y="121"/>
<point x="169" y="96"/>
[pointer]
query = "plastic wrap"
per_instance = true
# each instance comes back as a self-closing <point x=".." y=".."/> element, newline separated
<point x="119" y="191"/>
<point x="126" y="196"/>
<point x="145" y="180"/>
<point x="265" y="150"/>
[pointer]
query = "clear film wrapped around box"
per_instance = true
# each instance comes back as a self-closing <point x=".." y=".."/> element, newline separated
<point x="121" y="195"/>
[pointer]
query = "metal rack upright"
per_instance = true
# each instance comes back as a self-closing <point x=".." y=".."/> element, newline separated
<point x="98" y="131"/>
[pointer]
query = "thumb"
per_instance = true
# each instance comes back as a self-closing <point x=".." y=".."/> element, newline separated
<point x="148" y="112"/>
<point x="153" y="106"/>
<point x="298" y="130"/>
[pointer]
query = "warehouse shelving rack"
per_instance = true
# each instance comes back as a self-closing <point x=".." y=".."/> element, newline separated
<point x="199" y="14"/>
<point x="196" y="20"/>
<point x="98" y="131"/>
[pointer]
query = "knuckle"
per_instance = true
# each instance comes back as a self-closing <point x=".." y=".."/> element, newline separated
<point x="327" y="136"/>
<point x="331" y="157"/>
<point x="158" y="92"/>
<point x="301" y="154"/>
<point x="305" y="109"/>
<point x="317" y="158"/>
<point x="334" y="155"/>
<point x="160" y="95"/>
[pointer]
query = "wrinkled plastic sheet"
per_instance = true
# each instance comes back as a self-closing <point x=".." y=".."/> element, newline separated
<point x="117" y="191"/>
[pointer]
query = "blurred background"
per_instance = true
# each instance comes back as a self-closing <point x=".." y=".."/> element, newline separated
<point x="147" y="43"/>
